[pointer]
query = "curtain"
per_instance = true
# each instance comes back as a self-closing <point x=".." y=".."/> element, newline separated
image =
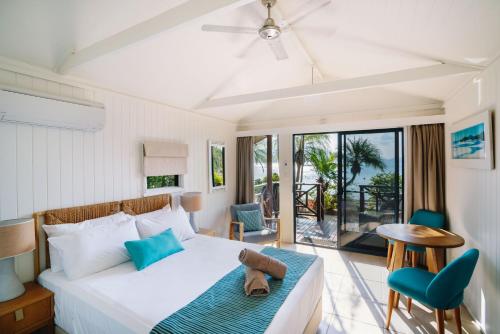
<point x="244" y="170"/>
<point x="426" y="182"/>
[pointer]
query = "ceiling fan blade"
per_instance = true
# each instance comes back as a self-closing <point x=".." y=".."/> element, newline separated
<point x="228" y="29"/>
<point x="278" y="49"/>
<point x="302" y="14"/>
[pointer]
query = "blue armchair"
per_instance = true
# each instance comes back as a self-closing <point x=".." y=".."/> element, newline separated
<point x="270" y="232"/>
<point x="442" y="291"/>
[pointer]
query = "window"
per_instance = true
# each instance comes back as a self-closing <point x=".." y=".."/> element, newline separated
<point x="163" y="181"/>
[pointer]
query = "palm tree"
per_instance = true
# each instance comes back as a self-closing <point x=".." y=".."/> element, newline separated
<point x="325" y="166"/>
<point x="362" y="153"/>
<point x="304" y="145"/>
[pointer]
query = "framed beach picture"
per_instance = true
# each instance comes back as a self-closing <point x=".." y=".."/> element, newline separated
<point x="217" y="165"/>
<point x="472" y="141"/>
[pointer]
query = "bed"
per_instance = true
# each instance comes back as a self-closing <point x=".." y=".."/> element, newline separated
<point x="103" y="302"/>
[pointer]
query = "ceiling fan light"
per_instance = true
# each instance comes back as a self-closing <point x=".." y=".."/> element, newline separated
<point x="269" y="32"/>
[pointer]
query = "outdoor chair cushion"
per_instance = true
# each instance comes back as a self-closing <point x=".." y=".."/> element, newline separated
<point x="265" y="235"/>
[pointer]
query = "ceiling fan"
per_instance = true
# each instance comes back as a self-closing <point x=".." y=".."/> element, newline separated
<point x="269" y="31"/>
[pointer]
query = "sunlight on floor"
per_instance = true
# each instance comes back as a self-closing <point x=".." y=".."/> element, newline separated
<point x="355" y="298"/>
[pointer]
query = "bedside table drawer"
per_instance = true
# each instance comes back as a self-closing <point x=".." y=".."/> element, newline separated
<point x="32" y="316"/>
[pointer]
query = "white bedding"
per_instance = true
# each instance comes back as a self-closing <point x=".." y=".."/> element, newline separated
<point x="123" y="300"/>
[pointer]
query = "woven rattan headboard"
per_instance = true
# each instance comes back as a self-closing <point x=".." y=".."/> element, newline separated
<point x="142" y="205"/>
<point x="78" y="214"/>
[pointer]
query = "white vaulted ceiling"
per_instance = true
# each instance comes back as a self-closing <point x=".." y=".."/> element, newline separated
<point x="185" y="66"/>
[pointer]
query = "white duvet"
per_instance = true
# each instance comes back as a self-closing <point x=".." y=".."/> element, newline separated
<point x="124" y="300"/>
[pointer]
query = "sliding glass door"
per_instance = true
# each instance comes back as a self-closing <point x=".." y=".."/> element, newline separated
<point x="371" y="182"/>
<point x="345" y="185"/>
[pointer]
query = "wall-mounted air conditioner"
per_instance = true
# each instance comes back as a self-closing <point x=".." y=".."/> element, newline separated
<point x="35" y="108"/>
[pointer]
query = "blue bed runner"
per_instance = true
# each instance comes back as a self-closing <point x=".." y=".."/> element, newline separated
<point x="224" y="307"/>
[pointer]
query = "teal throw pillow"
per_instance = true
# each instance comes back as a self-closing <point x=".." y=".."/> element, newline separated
<point x="150" y="250"/>
<point x="252" y="220"/>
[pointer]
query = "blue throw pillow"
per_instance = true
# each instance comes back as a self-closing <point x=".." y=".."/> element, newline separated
<point x="147" y="251"/>
<point x="252" y="220"/>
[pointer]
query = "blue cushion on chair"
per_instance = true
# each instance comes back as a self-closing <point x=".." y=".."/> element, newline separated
<point x="447" y="288"/>
<point x="411" y="282"/>
<point x="265" y="235"/>
<point x="234" y="209"/>
<point x="417" y="249"/>
<point x="252" y="220"/>
<point x="425" y="218"/>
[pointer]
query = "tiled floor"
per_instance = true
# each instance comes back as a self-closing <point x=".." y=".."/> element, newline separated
<point x="355" y="298"/>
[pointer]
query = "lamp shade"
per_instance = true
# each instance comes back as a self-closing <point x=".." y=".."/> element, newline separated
<point x="191" y="201"/>
<point x="17" y="236"/>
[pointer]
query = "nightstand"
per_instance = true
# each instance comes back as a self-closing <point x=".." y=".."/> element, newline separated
<point x="29" y="312"/>
<point x="206" y="231"/>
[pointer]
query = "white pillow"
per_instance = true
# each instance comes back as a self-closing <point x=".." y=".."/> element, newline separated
<point x="92" y="250"/>
<point x="176" y="220"/>
<point x="63" y="229"/>
<point x="152" y="214"/>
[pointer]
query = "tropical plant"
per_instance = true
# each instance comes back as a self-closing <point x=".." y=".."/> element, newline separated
<point x="325" y="166"/>
<point x="304" y="145"/>
<point x="362" y="153"/>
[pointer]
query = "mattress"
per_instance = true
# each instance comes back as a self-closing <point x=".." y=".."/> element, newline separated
<point x="124" y="300"/>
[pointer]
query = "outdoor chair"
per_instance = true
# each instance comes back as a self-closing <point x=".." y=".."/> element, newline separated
<point x="270" y="231"/>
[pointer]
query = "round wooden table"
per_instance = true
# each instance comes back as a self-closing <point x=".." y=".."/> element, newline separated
<point x="418" y="235"/>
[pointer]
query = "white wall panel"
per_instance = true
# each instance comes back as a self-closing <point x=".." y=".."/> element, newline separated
<point x="473" y="199"/>
<point x="40" y="168"/>
<point x="53" y="168"/>
<point x="24" y="158"/>
<point x="46" y="168"/>
<point x="8" y="171"/>
<point x="66" y="157"/>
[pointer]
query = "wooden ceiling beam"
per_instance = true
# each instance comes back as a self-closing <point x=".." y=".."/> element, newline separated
<point x="343" y="85"/>
<point x="177" y="16"/>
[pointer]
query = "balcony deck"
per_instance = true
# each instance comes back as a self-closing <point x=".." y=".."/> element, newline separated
<point x="323" y="233"/>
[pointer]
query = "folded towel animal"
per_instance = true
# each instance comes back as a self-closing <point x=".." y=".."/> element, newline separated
<point x="255" y="283"/>
<point x="267" y="264"/>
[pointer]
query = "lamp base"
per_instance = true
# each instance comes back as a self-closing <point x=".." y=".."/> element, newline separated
<point x="193" y="222"/>
<point x="10" y="286"/>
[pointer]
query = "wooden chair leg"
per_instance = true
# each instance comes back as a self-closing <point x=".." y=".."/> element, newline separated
<point x="458" y="320"/>
<point x="414" y="259"/>
<point x="440" y="321"/>
<point x="408" y="304"/>
<point x="390" y="249"/>
<point x="390" y="304"/>
<point x="396" y="300"/>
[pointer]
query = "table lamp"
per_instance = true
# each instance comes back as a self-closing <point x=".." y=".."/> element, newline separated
<point x="191" y="202"/>
<point x="17" y="236"/>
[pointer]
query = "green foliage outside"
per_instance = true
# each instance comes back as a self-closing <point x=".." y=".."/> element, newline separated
<point x="260" y="183"/>
<point x="386" y="180"/>
<point x="163" y="181"/>
<point x="315" y="150"/>
<point x="218" y="179"/>
<point x="217" y="166"/>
